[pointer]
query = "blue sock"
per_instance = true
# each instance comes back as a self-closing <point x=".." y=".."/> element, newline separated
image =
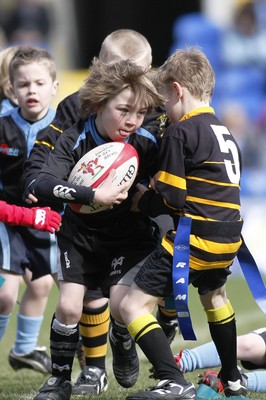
<point x="28" y="329"/>
<point x="256" y="381"/>
<point x="4" y="320"/>
<point x="204" y="356"/>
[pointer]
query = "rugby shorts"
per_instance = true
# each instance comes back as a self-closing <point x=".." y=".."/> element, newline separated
<point x="22" y="247"/>
<point x="103" y="257"/>
<point x="93" y="294"/>
<point x="155" y="276"/>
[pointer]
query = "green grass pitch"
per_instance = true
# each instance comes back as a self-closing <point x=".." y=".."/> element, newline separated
<point x="24" y="384"/>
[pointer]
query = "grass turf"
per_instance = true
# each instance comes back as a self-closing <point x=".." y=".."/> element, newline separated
<point x="24" y="384"/>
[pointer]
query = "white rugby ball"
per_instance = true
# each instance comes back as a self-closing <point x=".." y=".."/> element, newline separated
<point x="94" y="167"/>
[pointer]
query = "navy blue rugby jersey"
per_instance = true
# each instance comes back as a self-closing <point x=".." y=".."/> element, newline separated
<point x="67" y="113"/>
<point x="17" y="137"/>
<point x="199" y="177"/>
<point x="74" y="144"/>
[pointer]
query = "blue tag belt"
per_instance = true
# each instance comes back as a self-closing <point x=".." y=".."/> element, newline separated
<point x="180" y="272"/>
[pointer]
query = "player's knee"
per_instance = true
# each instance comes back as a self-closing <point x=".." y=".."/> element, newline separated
<point x="40" y="288"/>
<point x="7" y="302"/>
<point x="126" y="309"/>
<point x="68" y="313"/>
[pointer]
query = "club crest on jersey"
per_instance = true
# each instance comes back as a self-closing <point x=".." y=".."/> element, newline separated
<point x="162" y="119"/>
<point x="92" y="167"/>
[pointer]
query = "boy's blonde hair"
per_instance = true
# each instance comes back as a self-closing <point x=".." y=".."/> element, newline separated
<point x="29" y="54"/>
<point x="5" y="57"/>
<point x="108" y="80"/>
<point x="191" y="69"/>
<point x="123" y="44"/>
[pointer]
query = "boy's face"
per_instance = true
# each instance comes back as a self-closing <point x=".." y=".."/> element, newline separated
<point x="33" y="89"/>
<point x="173" y="106"/>
<point x="120" y="116"/>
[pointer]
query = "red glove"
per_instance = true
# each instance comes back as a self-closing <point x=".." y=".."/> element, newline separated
<point x="45" y="219"/>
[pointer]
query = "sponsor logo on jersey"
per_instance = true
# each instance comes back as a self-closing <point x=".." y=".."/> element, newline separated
<point x="8" y="151"/>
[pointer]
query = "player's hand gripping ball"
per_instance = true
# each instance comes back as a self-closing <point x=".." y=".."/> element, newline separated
<point x="94" y="167"/>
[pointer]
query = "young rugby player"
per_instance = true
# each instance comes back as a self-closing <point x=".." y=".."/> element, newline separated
<point x="199" y="183"/>
<point x="25" y="252"/>
<point x="113" y="103"/>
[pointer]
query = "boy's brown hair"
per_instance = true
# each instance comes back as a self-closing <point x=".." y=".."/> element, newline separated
<point x="108" y="80"/>
<point x="6" y="56"/>
<point x="191" y="69"/>
<point x="30" y="54"/>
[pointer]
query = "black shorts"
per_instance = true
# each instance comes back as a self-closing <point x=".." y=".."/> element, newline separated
<point x="103" y="257"/>
<point x="93" y="294"/>
<point x="249" y="365"/>
<point x="22" y="247"/>
<point x="155" y="276"/>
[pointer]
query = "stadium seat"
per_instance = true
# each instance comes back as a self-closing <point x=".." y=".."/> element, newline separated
<point x="195" y="29"/>
<point x="244" y="85"/>
<point x="240" y="80"/>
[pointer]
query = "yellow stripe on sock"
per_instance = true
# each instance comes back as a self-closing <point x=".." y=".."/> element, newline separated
<point x="95" y="352"/>
<point x="142" y="325"/>
<point x="94" y="325"/>
<point x="93" y="331"/>
<point x="90" y="319"/>
<point x="221" y="315"/>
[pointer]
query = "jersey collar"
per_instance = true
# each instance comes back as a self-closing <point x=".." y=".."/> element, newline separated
<point x="197" y="111"/>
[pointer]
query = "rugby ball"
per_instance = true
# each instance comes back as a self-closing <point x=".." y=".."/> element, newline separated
<point x="94" y="167"/>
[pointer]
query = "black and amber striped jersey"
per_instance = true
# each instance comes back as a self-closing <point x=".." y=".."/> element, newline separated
<point x="156" y="122"/>
<point x="199" y="177"/>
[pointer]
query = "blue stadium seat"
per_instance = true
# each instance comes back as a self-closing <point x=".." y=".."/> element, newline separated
<point x="244" y="85"/>
<point x="252" y="104"/>
<point x="195" y="29"/>
<point x="240" y="80"/>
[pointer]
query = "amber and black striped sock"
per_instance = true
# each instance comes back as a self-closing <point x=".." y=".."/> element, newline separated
<point x="94" y="326"/>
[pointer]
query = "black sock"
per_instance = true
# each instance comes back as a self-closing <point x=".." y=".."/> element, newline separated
<point x="119" y="330"/>
<point x="63" y="345"/>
